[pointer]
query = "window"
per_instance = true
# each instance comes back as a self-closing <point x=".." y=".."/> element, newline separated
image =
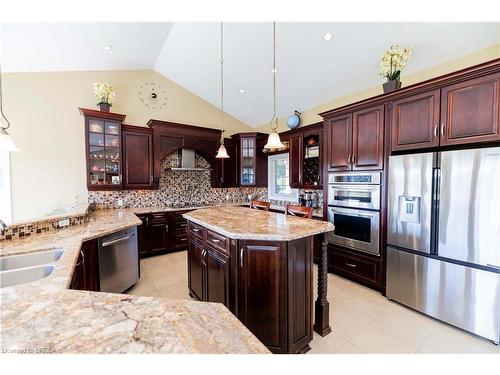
<point x="278" y="179"/>
<point x="5" y="199"/>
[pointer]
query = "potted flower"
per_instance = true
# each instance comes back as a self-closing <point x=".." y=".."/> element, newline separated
<point x="104" y="94"/>
<point x="391" y="64"/>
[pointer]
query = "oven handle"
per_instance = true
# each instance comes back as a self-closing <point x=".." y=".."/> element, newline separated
<point x="351" y="213"/>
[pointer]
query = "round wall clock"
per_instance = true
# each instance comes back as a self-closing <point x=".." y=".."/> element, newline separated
<point x="152" y="95"/>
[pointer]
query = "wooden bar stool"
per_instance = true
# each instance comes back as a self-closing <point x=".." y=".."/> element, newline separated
<point x="260" y="205"/>
<point x="306" y="212"/>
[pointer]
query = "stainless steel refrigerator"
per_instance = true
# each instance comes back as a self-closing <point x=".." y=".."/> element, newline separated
<point x="443" y="236"/>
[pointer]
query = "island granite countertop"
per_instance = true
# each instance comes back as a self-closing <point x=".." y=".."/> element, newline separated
<point x="251" y="224"/>
<point x="46" y="317"/>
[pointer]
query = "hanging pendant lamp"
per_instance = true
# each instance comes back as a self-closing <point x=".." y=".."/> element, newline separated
<point x="274" y="141"/>
<point x="6" y="141"/>
<point x="222" y="152"/>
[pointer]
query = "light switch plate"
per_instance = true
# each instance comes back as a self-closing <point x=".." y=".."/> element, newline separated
<point x="63" y="223"/>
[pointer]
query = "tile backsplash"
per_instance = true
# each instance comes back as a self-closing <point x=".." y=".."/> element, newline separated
<point x="177" y="188"/>
<point x="182" y="188"/>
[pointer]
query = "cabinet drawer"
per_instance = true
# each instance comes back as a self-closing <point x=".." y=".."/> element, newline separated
<point x="196" y="230"/>
<point x="357" y="267"/>
<point x="218" y="241"/>
<point x="159" y="216"/>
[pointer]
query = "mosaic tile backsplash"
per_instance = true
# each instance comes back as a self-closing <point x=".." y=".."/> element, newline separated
<point x="177" y="189"/>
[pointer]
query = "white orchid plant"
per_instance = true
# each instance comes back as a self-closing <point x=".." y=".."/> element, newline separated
<point x="393" y="61"/>
<point x="104" y="93"/>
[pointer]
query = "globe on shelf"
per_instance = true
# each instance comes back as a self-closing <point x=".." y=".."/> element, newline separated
<point x="294" y="120"/>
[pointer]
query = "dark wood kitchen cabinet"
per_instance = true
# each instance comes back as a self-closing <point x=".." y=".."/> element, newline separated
<point x="355" y="141"/>
<point x="462" y="113"/>
<point x="209" y="266"/>
<point x="161" y="232"/>
<point x="86" y="272"/>
<point x="415" y="121"/>
<point x="364" y="269"/>
<point x="262" y="296"/>
<point x="253" y="161"/>
<point x="305" y="156"/>
<point x="196" y="268"/>
<point x="226" y="172"/>
<point x="103" y="149"/>
<point x="218" y="272"/>
<point x="266" y="284"/>
<point x="137" y="146"/>
<point x="470" y="111"/>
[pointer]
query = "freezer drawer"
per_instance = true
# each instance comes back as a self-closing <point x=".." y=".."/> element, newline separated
<point x="466" y="297"/>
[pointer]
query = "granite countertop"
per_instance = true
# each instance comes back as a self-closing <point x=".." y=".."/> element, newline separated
<point x="45" y="316"/>
<point x="245" y="223"/>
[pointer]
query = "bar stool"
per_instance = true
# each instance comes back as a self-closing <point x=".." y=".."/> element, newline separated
<point x="306" y="212"/>
<point x="260" y="205"/>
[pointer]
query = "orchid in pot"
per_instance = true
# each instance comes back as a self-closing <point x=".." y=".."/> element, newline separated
<point x="391" y="64"/>
<point x="104" y="94"/>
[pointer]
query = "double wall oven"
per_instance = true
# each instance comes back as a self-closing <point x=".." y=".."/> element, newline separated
<point x="354" y="209"/>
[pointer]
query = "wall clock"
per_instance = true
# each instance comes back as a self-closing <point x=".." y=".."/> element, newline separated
<point x="152" y="95"/>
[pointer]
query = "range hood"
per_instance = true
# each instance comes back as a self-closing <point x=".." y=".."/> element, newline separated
<point x="187" y="162"/>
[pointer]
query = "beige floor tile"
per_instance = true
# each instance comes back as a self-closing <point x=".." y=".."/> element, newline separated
<point x="377" y="341"/>
<point x="363" y="321"/>
<point x="328" y="344"/>
<point x="444" y="338"/>
<point x="349" y="348"/>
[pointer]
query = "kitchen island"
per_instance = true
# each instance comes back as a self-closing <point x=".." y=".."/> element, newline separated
<point x="260" y="266"/>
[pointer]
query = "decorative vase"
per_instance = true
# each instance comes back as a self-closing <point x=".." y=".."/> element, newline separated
<point x="391" y="85"/>
<point x="104" y="107"/>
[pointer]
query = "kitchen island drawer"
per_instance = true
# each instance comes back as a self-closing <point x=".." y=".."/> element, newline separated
<point x="196" y="230"/>
<point x="353" y="266"/>
<point x="218" y="241"/>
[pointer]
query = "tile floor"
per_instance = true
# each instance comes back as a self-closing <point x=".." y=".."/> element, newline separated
<point x="363" y="321"/>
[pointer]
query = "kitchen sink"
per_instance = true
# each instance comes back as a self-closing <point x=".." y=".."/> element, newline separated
<point x="32" y="259"/>
<point x="25" y="275"/>
<point x="25" y="268"/>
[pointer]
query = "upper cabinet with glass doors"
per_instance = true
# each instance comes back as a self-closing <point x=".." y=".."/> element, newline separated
<point x="103" y="138"/>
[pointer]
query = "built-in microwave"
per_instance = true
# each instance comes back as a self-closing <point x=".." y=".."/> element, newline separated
<point x="355" y="229"/>
<point x="355" y="190"/>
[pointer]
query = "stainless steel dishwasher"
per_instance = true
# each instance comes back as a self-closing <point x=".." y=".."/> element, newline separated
<point x="118" y="261"/>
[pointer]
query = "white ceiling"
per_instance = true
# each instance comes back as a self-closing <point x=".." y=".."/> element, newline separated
<point x="310" y="70"/>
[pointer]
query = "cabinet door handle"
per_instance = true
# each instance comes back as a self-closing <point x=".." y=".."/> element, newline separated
<point x="351" y="265"/>
<point x="83" y="259"/>
<point x="353" y="159"/>
<point x="147" y="220"/>
<point x="203" y="253"/>
<point x="241" y="258"/>
<point x="166" y="227"/>
<point x="349" y="159"/>
<point x="442" y="130"/>
<point x="436" y="131"/>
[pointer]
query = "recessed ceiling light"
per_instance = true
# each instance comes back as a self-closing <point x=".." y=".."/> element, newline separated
<point x="242" y="91"/>
<point x="327" y="36"/>
<point x="107" y="47"/>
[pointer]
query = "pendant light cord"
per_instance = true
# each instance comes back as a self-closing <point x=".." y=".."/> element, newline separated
<point x="221" y="83"/>
<point x="274" y="126"/>
<point x="2" y="116"/>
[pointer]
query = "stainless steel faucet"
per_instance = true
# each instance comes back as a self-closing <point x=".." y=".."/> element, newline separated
<point x="3" y="226"/>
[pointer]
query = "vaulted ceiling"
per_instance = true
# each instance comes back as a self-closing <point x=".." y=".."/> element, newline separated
<point x="311" y="71"/>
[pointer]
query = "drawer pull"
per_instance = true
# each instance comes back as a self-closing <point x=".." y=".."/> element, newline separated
<point x="196" y="230"/>
<point x="351" y="265"/>
<point x="215" y="240"/>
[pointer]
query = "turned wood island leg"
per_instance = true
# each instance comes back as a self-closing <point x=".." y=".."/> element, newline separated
<point x="321" y="306"/>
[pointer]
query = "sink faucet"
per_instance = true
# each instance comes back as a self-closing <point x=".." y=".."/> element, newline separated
<point x="3" y="226"/>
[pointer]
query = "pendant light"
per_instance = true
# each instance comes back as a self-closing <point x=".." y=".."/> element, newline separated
<point x="274" y="141"/>
<point x="6" y="142"/>
<point x="222" y="152"/>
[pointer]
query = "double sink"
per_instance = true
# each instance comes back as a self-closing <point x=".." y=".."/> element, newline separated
<point x="25" y="268"/>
